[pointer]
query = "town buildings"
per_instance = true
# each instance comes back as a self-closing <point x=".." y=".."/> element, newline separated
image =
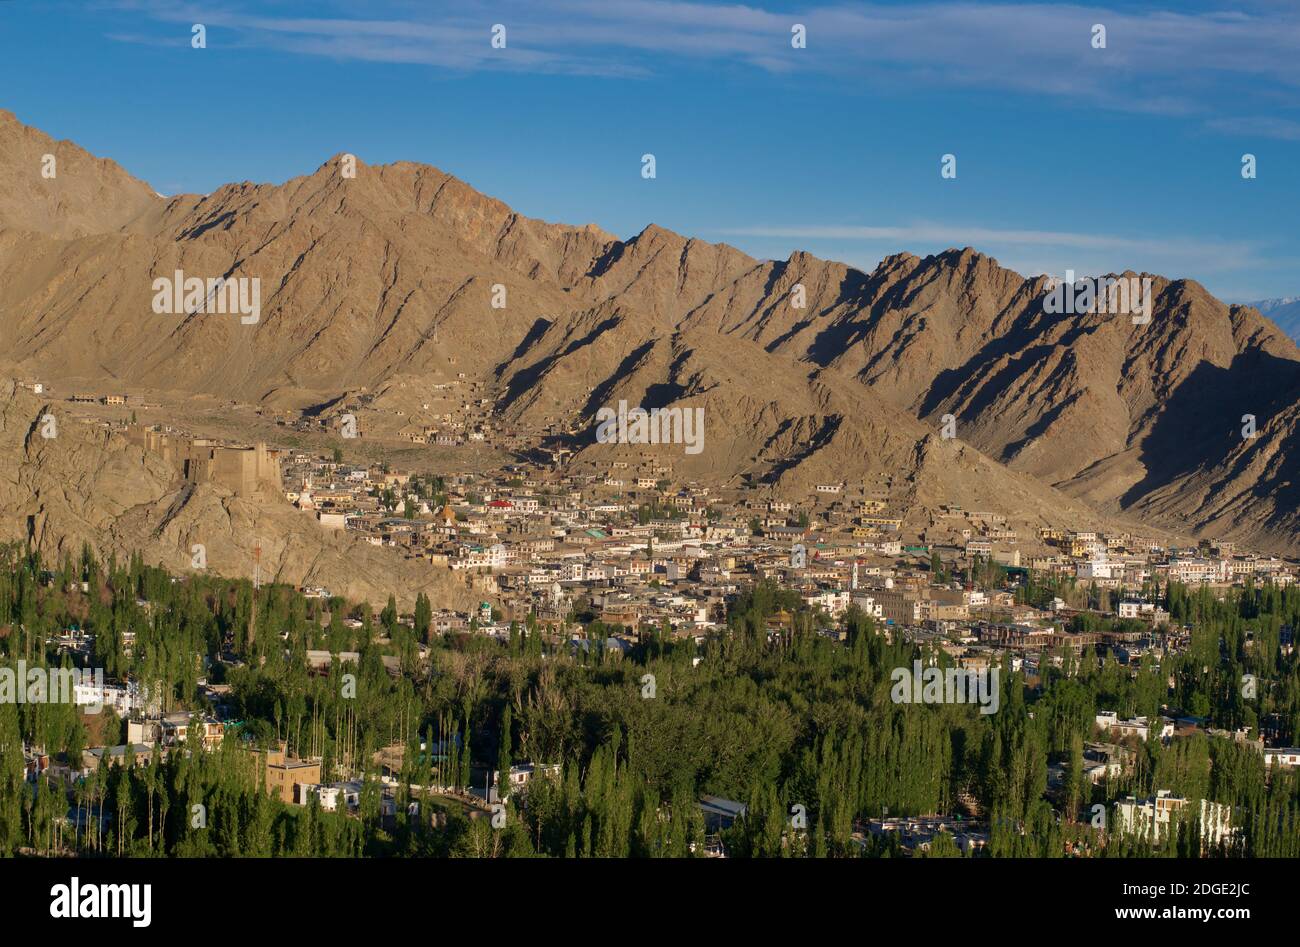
<point x="1153" y="818"/>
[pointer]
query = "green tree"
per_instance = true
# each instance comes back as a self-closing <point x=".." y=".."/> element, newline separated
<point x="503" y="756"/>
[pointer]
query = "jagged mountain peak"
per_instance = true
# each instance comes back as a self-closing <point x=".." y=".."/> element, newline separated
<point x="59" y="189"/>
<point x="406" y="274"/>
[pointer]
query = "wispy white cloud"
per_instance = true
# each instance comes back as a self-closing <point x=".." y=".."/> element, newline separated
<point x="1257" y="126"/>
<point x="1030" y="252"/>
<point x="957" y="235"/>
<point x="1155" y="61"/>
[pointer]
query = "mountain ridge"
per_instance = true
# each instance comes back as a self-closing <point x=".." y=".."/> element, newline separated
<point x="1284" y="312"/>
<point x="392" y="275"/>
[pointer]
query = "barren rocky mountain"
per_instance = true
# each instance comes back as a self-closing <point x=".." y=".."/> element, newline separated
<point x="1285" y="312"/>
<point x="86" y="484"/>
<point x="389" y="276"/>
<point x="60" y="190"/>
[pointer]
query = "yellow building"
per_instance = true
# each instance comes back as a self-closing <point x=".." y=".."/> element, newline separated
<point x="284" y="776"/>
<point x="243" y="470"/>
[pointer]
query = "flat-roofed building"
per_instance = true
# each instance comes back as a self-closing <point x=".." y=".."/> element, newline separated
<point x="1284" y="756"/>
<point x="289" y="778"/>
<point x="1151" y="818"/>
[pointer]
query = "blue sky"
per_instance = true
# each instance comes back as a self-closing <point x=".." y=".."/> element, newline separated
<point x="1068" y="157"/>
